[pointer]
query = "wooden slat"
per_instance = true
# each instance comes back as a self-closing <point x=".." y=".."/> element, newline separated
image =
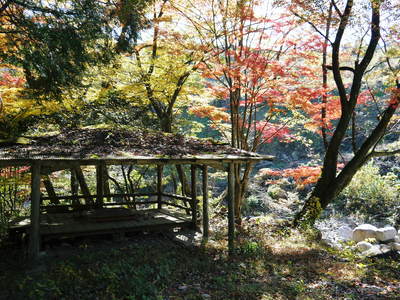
<point x="83" y="206"/>
<point x="175" y="196"/>
<point x="67" y="197"/>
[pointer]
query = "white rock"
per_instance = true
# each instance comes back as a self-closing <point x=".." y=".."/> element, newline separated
<point x="395" y="246"/>
<point x="345" y="233"/>
<point x="386" y="233"/>
<point x="373" y="251"/>
<point x="364" y="231"/>
<point x="363" y="246"/>
<point x="397" y="239"/>
<point x="385" y="248"/>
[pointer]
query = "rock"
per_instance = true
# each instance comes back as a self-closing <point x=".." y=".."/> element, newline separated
<point x="205" y="296"/>
<point x="397" y="239"/>
<point x="364" y="231"/>
<point x="386" y="234"/>
<point x="373" y="251"/>
<point x="363" y="246"/>
<point x="331" y="243"/>
<point x="395" y="246"/>
<point x="385" y="248"/>
<point x="345" y="233"/>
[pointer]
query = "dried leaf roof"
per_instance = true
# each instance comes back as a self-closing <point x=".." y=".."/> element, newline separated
<point x="103" y="143"/>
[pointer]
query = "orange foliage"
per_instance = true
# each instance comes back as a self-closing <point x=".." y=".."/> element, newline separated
<point x="216" y="114"/>
<point x="302" y="175"/>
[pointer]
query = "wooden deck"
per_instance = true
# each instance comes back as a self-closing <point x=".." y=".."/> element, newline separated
<point x="103" y="221"/>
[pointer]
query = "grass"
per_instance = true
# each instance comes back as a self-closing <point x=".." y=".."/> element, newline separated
<point x="271" y="262"/>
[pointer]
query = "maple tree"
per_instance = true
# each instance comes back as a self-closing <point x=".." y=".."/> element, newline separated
<point x="161" y="68"/>
<point x="254" y="68"/>
<point x="351" y="90"/>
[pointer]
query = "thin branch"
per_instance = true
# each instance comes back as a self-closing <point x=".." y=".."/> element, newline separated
<point x="384" y="153"/>
<point x="341" y="68"/>
<point x="336" y="8"/>
<point x="312" y="25"/>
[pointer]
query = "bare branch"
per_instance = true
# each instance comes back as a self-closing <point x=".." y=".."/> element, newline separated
<point x="384" y="153"/>
<point x="342" y="68"/>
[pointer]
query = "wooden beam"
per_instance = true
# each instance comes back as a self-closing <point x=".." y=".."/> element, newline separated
<point x="100" y="183"/>
<point x="159" y="186"/>
<point x="34" y="244"/>
<point x="50" y="190"/>
<point x="83" y="185"/>
<point x="194" y="196"/>
<point x="179" y="197"/>
<point x="74" y="188"/>
<point x="107" y="190"/>
<point x="205" y="203"/>
<point x="231" y="209"/>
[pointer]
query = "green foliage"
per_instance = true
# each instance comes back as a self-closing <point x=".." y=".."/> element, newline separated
<point x="253" y="205"/>
<point x="371" y="194"/>
<point x="13" y="195"/>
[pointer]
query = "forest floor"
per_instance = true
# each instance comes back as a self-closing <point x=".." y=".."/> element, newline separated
<point x="271" y="262"/>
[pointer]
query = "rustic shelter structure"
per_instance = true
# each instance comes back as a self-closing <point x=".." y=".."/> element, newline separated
<point x="92" y="213"/>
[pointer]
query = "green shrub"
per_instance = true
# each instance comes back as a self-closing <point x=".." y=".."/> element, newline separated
<point x="371" y="195"/>
<point x="253" y="205"/>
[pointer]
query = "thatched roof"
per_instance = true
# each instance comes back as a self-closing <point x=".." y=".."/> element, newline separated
<point x="106" y="143"/>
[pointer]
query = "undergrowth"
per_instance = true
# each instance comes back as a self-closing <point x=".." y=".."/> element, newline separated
<point x="271" y="262"/>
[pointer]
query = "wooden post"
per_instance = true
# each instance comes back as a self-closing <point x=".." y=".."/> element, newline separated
<point x="82" y="183"/>
<point x="159" y="186"/>
<point x="231" y="208"/>
<point x="34" y="243"/>
<point x="194" y="196"/>
<point x="74" y="187"/>
<point x="100" y="183"/>
<point x="50" y="190"/>
<point x="205" y="203"/>
<point x="107" y="190"/>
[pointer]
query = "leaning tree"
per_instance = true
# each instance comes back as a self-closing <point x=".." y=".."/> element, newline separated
<point x="377" y="48"/>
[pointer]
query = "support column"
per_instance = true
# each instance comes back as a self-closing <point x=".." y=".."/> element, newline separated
<point x="50" y="190"/>
<point x="74" y="188"/>
<point x="100" y="183"/>
<point x="34" y="243"/>
<point x="231" y="208"/>
<point x="83" y="185"/>
<point x="159" y="186"/>
<point x="194" y="196"/>
<point x="205" y="203"/>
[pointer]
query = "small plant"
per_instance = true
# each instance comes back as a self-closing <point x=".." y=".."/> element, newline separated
<point x="253" y="205"/>
<point x="374" y="196"/>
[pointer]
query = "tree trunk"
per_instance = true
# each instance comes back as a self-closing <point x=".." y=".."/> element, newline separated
<point x="323" y="194"/>
<point x="330" y="184"/>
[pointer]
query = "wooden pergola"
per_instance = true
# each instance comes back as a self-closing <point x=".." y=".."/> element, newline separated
<point x="52" y="153"/>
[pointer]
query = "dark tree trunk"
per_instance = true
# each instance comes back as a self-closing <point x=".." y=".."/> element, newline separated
<point x="330" y="184"/>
